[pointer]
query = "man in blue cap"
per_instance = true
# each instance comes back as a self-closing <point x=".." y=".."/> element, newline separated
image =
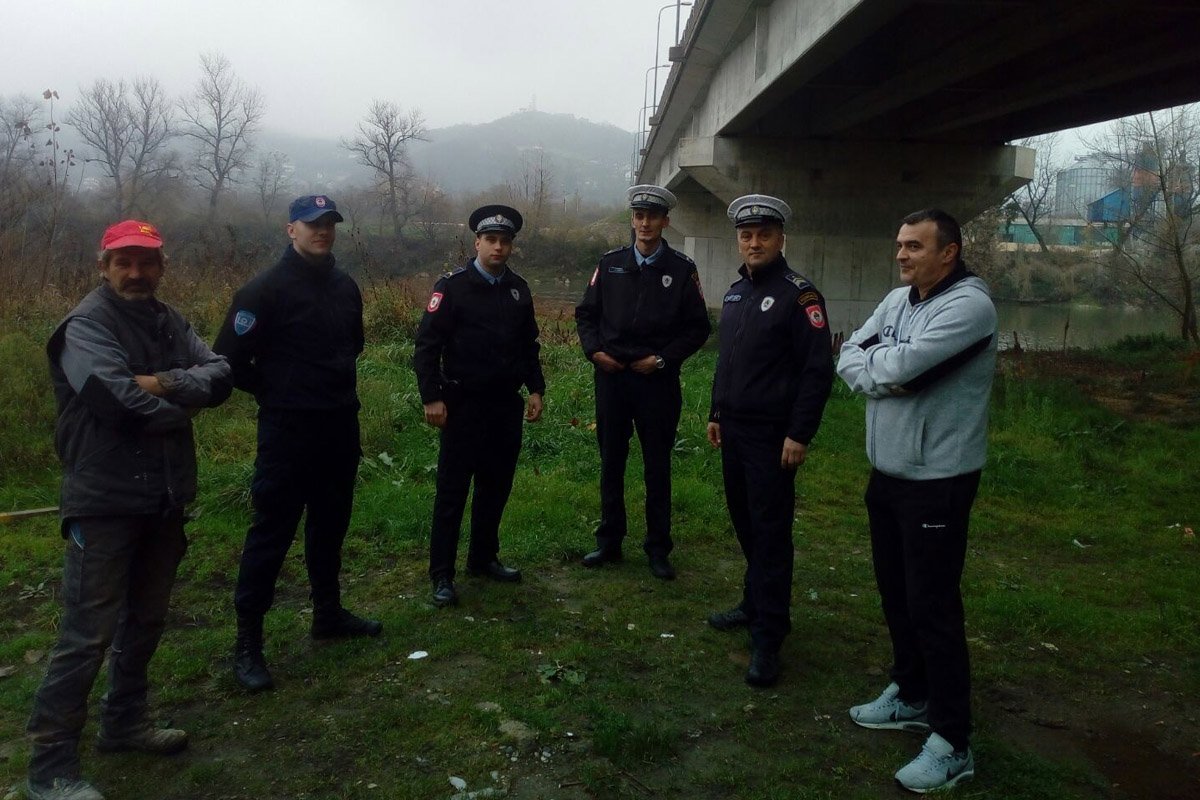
<point x="773" y="377"/>
<point x="641" y="316"/>
<point x="293" y="335"/>
<point x="476" y="346"/>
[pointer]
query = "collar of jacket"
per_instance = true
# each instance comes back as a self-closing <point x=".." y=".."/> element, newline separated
<point x="145" y="312"/>
<point x="959" y="272"/>
<point x="294" y="259"/>
<point x="479" y="269"/>
<point x="765" y="272"/>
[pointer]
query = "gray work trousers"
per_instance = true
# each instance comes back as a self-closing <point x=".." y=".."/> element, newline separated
<point x="117" y="579"/>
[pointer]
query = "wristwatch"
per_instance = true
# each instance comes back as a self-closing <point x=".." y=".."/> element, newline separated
<point x="659" y="362"/>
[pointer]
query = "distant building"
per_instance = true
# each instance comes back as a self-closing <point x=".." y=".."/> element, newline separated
<point x="1077" y="187"/>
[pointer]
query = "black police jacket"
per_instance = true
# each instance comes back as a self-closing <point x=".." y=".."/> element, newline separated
<point x="293" y="334"/>
<point x="776" y="354"/>
<point x="631" y="312"/>
<point x="477" y="337"/>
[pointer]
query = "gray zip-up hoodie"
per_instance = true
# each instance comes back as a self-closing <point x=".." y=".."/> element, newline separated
<point x="926" y="367"/>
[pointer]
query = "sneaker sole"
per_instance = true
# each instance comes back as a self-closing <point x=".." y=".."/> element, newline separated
<point x="904" y="725"/>
<point x="965" y="775"/>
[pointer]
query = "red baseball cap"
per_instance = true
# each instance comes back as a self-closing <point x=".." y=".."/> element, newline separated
<point x="131" y="233"/>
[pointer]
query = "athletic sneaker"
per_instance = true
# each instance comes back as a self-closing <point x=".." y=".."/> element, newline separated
<point x="938" y="766"/>
<point x="889" y="712"/>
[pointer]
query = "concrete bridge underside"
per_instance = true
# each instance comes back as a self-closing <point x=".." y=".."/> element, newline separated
<point x="858" y="111"/>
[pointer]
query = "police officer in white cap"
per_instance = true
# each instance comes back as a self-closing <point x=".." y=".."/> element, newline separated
<point x="476" y="346"/>
<point x="774" y="374"/>
<point x="641" y="316"/>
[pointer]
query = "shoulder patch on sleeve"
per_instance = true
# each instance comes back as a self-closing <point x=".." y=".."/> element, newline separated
<point x="244" y="322"/>
<point x="696" y="280"/>
<point x="435" y="302"/>
<point x="808" y="298"/>
<point x="816" y="317"/>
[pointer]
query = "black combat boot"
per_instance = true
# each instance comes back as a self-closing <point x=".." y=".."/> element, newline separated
<point x="249" y="666"/>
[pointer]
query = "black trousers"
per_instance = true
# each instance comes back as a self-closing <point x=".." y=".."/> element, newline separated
<point x="117" y="578"/>
<point x="761" y="496"/>
<point x="307" y="462"/>
<point x="480" y="443"/>
<point x="650" y="403"/>
<point x="918" y="544"/>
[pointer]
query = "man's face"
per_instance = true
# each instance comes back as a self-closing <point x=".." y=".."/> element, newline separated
<point x="133" y="272"/>
<point x="313" y="240"/>
<point x="648" y="226"/>
<point x="922" y="262"/>
<point x="493" y="249"/>
<point x="759" y="244"/>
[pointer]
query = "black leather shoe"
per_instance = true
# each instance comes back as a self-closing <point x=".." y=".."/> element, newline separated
<point x="601" y="555"/>
<point x="496" y="571"/>
<point x="443" y="593"/>
<point x="341" y="624"/>
<point x="729" y="620"/>
<point x="660" y="567"/>
<point x="764" y="668"/>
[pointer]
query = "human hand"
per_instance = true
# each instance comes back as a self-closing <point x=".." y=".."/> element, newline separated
<point x="435" y="413"/>
<point x="793" y="455"/>
<point x="606" y="362"/>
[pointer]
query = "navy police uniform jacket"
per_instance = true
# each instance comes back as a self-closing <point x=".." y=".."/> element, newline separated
<point x="776" y="354"/>
<point x="477" y="337"/>
<point x="293" y="334"/>
<point x="631" y="312"/>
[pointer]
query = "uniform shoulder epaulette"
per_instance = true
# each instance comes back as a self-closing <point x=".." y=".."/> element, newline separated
<point x="799" y="281"/>
<point x="615" y="250"/>
<point x="453" y="272"/>
<point x="683" y="256"/>
<point x="517" y="276"/>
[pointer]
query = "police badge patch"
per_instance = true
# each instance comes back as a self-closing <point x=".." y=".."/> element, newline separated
<point x="666" y="281"/>
<point x="435" y="302"/>
<point x="766" y="303"/>
<point x="243" y="322"/>
<point x="516" y="295"/>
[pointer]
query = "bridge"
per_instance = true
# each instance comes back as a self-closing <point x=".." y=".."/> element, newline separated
<point x="858" y="111"/>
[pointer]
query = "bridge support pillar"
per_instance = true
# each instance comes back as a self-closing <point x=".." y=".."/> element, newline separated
<point x="847" y="200"/>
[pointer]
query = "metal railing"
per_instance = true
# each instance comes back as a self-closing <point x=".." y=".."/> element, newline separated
<point x="650" y="96"/>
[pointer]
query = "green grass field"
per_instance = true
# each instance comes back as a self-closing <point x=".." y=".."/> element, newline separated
<point x="1080" y="588"/>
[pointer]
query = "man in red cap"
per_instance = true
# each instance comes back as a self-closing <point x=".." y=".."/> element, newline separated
<point x="129" y="373"/>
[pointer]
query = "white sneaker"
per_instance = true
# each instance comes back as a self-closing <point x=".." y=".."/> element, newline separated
<point x="938" y="766"/>
<point x="62" y="789"/>
<point x="889" y="712"/>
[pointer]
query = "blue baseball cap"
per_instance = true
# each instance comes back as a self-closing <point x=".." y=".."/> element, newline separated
<point x="311" y="207"/>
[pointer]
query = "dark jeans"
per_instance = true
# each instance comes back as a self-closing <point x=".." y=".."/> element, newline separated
<point x="480" y="443"/>
<point x="918" y="544"/>
<point x="761" y="496"/>
<point x="307" y="461"/>
<point x="650" y="403"/>
<point x="117" y="579"/>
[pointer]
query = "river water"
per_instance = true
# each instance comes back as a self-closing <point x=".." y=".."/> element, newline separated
<point x="1041" y="326"/>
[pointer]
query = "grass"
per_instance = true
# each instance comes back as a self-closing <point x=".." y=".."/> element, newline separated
<point x="607" y="683"/>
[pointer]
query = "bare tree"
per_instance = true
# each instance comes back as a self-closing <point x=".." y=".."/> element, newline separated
<point x="533" y="187"/>
<point x="382" y="145"/>
<point x="127" y="129"/>
<point x="271" y="177"/>
<point x="1155" y="157"/>
<point x="1033" y="202"/>
<point x="221" y="116"/>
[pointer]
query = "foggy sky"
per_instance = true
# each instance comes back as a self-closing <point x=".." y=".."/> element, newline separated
<point x="320" y="65"/>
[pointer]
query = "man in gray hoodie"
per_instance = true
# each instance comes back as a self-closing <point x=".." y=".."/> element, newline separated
<point x="925" y="361"/>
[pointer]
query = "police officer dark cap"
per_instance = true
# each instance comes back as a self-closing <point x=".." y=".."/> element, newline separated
<point x="651" y="197"/>
<point x="501" y="219"/>
<point x="758" y="209"/>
